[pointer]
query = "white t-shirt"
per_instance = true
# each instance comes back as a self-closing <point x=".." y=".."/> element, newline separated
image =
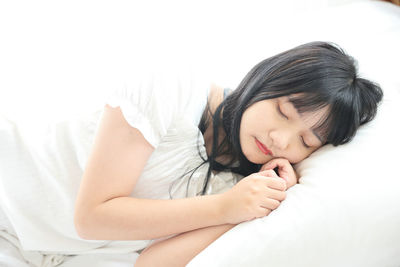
<point x="39" y="179"/>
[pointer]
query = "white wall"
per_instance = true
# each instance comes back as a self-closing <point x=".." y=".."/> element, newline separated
<point x="58" y="58"/>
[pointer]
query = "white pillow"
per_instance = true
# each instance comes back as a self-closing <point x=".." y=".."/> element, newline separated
<point x="344" y="211"/>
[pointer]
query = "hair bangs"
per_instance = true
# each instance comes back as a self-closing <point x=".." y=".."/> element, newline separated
<point x="339" y="122"/>
<point x="310" y="103"/>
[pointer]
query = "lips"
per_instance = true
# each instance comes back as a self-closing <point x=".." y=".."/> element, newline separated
<point x="263" y="148"/>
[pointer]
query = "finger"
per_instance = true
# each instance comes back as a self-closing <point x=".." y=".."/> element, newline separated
<point x="275" y="163"/>
<point x="271" y="204"/>
<point x="272" y="164"/>
<point x="267" y="212"/>
<point x="281" y="163"/>
<point x="262" y="212"/>
<point x="276" y="194"/>
<point x="268" y="173"/>
<point x="275" y="183"/>
<point x="285" y="169"/>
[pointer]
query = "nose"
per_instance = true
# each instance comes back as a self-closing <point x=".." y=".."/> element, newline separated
<point x="280" y="139"/>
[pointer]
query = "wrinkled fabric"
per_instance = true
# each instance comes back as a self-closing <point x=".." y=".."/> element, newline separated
<point x="41" y="168"/>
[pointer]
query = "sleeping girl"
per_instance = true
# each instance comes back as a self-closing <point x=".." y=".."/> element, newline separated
<point x="286" y="107"/>
<point x="232" y="151"/>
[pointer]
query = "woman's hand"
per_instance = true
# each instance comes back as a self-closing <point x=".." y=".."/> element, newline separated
<point x="253" y="197"/>
<point x="285" y="170"/>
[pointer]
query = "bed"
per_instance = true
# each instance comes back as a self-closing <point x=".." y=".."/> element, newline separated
<point x="344" y="211"/>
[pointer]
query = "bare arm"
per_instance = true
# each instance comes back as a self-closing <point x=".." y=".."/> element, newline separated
<point x="126" y="218"/>
<point x="104" y="209"/>
<point x="181" y="249"/>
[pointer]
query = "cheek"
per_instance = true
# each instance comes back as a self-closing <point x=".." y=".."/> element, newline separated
<point x="297" y="156"/>
<point x="243" y="132"/>
<point x="246" y="126"/>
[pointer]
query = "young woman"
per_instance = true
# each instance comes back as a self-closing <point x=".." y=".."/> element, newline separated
<point x="233" y="155"/>
<point x="286" y="107"/>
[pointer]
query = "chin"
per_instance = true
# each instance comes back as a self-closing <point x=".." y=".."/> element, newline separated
<point x="254" y="158"/>
<point x="260" y="161"/>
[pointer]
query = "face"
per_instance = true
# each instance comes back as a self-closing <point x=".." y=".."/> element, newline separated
<point x="273" y="129"/>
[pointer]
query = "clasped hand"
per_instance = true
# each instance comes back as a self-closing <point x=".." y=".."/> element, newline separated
<point x="256" y="195"/>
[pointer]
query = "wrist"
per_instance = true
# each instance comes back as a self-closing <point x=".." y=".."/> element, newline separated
<point x="220" y="212"/>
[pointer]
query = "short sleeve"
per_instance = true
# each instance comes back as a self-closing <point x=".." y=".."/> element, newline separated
<point x="152" y="98"/>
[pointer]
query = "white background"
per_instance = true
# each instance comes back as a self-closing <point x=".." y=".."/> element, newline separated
<point x="59" y="58"/>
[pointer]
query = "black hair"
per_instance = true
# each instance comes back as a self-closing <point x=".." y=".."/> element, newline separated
<point x="321" y="75"/>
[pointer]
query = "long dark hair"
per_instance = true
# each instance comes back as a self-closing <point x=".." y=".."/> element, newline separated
<point x="321" y="75"/>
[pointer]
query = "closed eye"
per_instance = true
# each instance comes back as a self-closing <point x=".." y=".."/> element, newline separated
<point x="280" y="112"/>
<point x="304" y="143"/>
<point x="286" y="117"/>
